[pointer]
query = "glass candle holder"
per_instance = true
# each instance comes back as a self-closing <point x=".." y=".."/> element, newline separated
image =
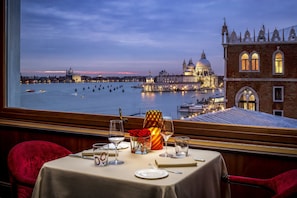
<point x="140" y="145"/>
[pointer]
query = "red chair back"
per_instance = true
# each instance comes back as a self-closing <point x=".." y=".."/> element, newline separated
<point x="26" y="159"/>
<point x="283" y="185"/>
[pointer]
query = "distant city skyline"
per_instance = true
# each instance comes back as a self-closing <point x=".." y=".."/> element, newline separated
<point x="132" y="37"/>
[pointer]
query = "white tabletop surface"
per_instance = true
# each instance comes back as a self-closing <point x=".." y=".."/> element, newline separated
<point x="76" y="177"/>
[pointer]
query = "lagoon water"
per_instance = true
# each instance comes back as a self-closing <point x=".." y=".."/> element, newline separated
<point x="104" y="98"/>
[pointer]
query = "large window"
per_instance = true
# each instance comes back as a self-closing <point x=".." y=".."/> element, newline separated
<point x="110" y="38"/>
<point x="206" y="135"/>
<point x="12" y="59"/>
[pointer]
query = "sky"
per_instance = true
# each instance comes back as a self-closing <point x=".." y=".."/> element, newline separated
<point x="137" y="37"/>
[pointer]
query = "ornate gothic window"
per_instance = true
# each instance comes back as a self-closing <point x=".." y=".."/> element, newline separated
<point x="245" y="62"/>
<point x="249" y="62"/>
<point x="247" y="98"/>
<point x="278" y="62"/>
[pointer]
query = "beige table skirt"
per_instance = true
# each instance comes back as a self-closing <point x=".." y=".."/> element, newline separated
<point x="75" y="177"/>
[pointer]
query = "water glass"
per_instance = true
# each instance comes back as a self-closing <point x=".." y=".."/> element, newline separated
<point x="181" y="146"/>
<point x="116" y="136"/>
<point x="100" y="153"/>
<point x="167" y="130"/>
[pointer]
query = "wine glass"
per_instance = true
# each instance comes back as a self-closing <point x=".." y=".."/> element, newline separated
<point x="167" y="131"/>
<point x="116" y="136"/>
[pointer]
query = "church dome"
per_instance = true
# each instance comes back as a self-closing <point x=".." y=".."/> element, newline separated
<point x="203" y="65"/>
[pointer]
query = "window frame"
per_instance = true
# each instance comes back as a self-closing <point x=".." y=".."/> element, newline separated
<point x="255" y="62"/>
<point x="247" y="103"/>
<point x="274" y="63"/>
<point x="251" y="65"/>
<point x="244" y="62"/>
<point x="275" y="99"/>
<point x="275" y="111"/>
<point x="206" y="135"/>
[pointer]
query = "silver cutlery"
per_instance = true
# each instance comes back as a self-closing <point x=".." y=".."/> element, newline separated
<point x="80" y="156"/>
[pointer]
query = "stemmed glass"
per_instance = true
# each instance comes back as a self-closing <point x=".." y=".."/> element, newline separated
<point x="167" y="131"/>
<point x="116" y="136"/>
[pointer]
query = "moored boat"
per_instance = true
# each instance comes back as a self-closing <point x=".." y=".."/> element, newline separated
<point x="30" y="90"/>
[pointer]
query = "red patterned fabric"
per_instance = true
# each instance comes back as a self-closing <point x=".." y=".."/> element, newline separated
<point x="153" y="121"/>
<point x="25" y="160"/>
<point x="283" y="185"/>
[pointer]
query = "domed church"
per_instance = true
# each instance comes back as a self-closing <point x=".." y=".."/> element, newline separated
<point x="201" y="72"/>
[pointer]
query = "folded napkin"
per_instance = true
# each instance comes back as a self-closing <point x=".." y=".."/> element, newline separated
<point x="91" y="153"/>
<point x="171" y="162"/>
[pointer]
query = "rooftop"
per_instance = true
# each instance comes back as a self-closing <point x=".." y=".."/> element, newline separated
<point x="241" y="116"/>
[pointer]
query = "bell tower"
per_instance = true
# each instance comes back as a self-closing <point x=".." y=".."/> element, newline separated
<point x="225" y="35"/>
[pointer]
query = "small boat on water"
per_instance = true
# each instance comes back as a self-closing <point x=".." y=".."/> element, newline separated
<point x="139" y="86"/>
<point x="185" y="107"/>
<point x="192" y="108"/>
<point x="30" y="90"/>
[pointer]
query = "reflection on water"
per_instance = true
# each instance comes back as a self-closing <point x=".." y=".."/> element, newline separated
<point x="104" y="98"/>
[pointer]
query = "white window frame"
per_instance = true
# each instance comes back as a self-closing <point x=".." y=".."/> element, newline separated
<point x="275" y="99"/>
<point x="275" y="111"/>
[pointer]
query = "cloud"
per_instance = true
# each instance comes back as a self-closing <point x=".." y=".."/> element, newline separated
<point x="62" y="32"/>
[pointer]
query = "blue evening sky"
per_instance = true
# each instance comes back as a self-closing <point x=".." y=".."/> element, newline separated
<point x="135" y="37"/>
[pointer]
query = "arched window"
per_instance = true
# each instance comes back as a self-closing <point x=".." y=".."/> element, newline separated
<point x="255" y="62"/>
<point x="249" y="62"/>
<point x="278" y="63"/>
<point x="244" y="62"/>
<point x="247" y="98"/>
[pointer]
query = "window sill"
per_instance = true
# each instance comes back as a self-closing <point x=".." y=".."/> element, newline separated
<point x="195" y="142"/>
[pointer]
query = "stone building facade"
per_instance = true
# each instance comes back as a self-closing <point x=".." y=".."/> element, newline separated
<point x="201" y="72"/>
<point x="193" y="78"/>
<point x="261" y="70"/>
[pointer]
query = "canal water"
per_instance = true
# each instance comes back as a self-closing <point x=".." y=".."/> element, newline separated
<point x="105" y="98"/>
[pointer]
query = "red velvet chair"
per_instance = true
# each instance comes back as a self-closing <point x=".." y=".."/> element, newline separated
<point x="25" y="160"/>
<point x="282" y="186"/>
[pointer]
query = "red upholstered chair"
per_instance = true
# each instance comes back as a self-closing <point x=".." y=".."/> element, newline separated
<point x="25" y="160"/>
<point x="282" y="186"/>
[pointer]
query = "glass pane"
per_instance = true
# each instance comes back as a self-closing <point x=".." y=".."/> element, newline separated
<point x="93" y="56"/>
<point x="244" y="62"/>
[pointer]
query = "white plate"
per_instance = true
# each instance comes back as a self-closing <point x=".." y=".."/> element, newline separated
<point x="151" y="173"/>
<point x="122" y="145"/>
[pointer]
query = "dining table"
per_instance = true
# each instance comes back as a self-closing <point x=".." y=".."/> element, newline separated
<point x="141" y="175"/>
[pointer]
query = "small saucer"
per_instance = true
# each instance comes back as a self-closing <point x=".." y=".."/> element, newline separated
<point x="151" y="173"/>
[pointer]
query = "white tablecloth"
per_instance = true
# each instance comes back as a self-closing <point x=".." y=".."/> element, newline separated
<point x="75" y="177"/>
